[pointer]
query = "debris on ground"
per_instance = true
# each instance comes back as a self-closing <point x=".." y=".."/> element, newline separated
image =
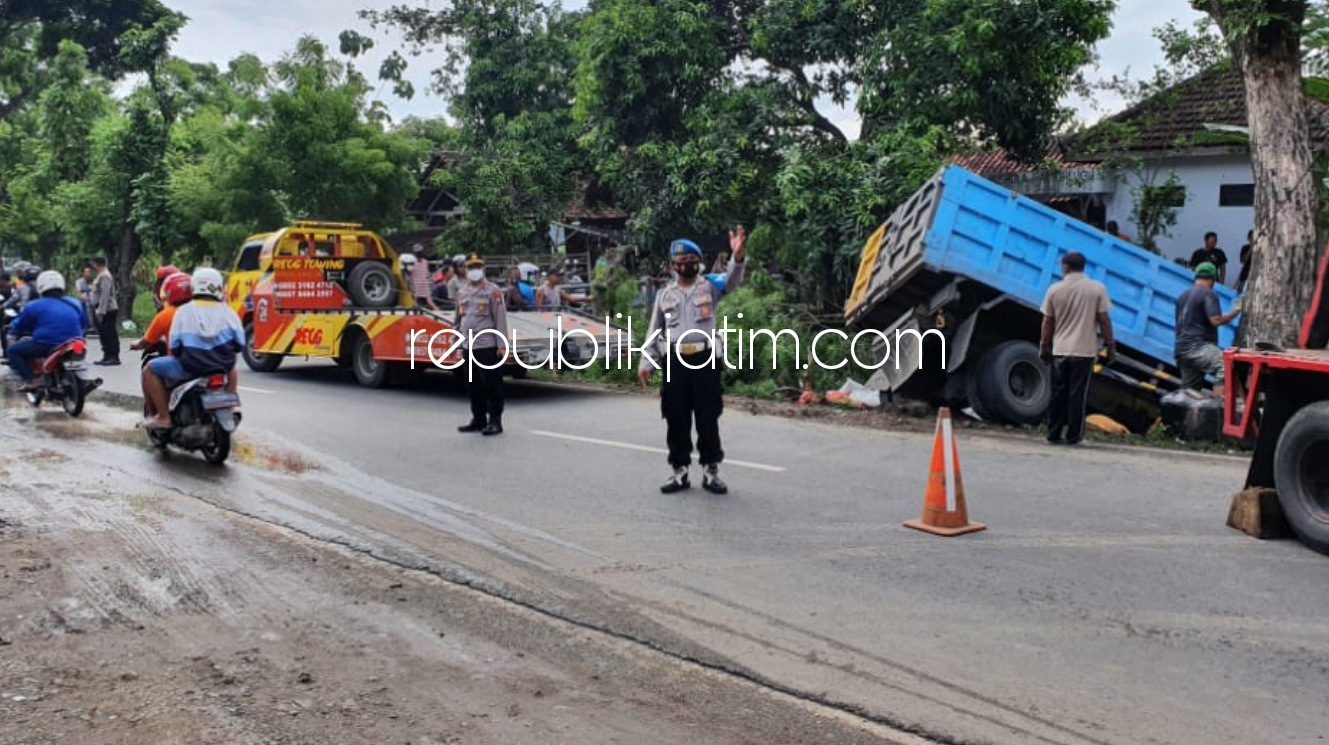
<point x="1106" y="425"/>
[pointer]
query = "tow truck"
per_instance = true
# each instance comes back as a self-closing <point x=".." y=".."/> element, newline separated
<point x="1279" y="398"/>
<point x="337" y="291"/>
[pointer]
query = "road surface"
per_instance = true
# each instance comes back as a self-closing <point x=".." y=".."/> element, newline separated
<point x="1106" y="603"/>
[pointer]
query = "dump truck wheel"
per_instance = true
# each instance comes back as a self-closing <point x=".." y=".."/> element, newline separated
<point x="1013" y="383"/>
<point x="1301" y="474"/>
<point x="974" y="397"/>
<point x="371" y="286"/>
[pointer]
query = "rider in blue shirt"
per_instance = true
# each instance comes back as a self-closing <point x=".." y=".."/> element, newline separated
<point x="45" y="323"/>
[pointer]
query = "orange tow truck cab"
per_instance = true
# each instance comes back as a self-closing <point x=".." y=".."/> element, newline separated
<point x="331" y="290"/>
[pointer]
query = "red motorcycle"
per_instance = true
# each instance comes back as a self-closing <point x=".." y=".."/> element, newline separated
<point x="62" y="376"/>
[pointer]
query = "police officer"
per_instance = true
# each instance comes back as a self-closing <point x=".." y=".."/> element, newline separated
<point x="480" y="308"/>
<point x="686" y="305"/>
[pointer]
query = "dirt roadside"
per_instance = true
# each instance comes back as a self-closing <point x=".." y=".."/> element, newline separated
<point x="133" y="614"/>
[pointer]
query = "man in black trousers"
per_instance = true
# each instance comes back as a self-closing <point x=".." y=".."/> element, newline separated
<point x="105" y="310"/>
<point x="1072" y="309"/>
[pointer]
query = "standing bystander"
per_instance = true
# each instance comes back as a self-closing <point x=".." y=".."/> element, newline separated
<point x="105" y="309"/>
<point x="1071" y="310"/>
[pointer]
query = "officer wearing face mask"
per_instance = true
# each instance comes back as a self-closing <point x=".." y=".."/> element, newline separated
<point x="686" y="305"/>
<point x="480" y="308"/>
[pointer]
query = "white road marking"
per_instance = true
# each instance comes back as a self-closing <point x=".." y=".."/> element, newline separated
<point x="252" y="390"/>
<point x="948" y="455"/>
<point x="645" y="449"/>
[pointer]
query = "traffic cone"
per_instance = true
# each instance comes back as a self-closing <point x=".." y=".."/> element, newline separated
<point x="944" y="512"/>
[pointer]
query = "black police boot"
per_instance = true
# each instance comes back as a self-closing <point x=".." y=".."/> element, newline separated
<point x="710" y="480"/>
<point x="476" y="425"/>
<point x="494" y="427"/>
<point x="678" y="481"/>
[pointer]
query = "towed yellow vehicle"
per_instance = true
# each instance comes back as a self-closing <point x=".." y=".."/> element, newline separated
<point x="336" y="291"/>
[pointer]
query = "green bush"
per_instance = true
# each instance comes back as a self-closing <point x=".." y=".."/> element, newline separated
<point x="772" y="334"/>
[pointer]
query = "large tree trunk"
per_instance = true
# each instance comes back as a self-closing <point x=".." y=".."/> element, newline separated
<point x="122" y="268"/>
<point x="1285" y="252"/>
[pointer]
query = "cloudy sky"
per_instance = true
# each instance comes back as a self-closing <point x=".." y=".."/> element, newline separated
<point x="219" y="30"/>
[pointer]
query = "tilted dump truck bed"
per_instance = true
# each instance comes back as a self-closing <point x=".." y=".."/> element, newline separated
<point x="961" y="225"/>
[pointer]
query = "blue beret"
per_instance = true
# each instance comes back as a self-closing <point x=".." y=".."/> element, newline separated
<point x="721" y="281"/>
<point x="684" y="246"/>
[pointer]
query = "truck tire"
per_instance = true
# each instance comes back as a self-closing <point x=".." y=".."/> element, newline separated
<point x="1301" y="474"/>
<point x="261" y="363"/>
<point x="371" y="285"/>
<point x="1013" y="384"/>
<point x="973" y="397"/>
<point x="369" y="372"/>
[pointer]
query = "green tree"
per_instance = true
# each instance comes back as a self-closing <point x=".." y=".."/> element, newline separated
<point x="506" y="71"/>
<point x="1265" y="39"/>
<point x="33" y="32"/>
<point x="316" y="156"/>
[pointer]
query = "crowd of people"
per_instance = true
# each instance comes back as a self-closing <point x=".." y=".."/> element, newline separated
<point x="197" y="333"/>
<point x="1075" y="316"/>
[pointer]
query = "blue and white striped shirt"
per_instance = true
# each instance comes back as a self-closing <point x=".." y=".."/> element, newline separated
<point x="206" y="335"/>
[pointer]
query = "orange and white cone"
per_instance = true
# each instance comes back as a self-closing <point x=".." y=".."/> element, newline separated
<point x="944" y="511"/>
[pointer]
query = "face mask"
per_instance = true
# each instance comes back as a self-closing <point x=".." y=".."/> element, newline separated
<point x="475" y="275"/>
<point x="688" y="270"/>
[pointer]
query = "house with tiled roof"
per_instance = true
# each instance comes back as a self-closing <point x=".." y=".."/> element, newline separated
<point x="1099" y="174"/>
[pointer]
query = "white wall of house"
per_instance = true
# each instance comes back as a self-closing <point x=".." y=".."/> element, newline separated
<point x="1204" y="178"/>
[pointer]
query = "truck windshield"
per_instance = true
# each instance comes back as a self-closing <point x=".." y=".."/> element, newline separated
<point x="247" y="261"/>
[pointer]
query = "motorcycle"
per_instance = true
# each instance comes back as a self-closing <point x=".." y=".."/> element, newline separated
<point x="203" y="415"/>
<point x="10" y="315"/>
<point x="62" y="376"/>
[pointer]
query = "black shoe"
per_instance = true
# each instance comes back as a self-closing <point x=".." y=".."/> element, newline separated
<point x="494" y="427"/>
<point x="710" y="480"/>
<point x="678" y="481"/>
<point x="475" y="426"/>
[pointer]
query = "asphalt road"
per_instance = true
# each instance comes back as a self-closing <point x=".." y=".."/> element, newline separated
<point x="1106" y="602"/>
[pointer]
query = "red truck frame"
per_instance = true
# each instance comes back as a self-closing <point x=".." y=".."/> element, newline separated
<point x="1279" y="399"/>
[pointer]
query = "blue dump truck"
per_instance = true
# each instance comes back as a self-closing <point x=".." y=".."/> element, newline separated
<point x="955" y="279"/>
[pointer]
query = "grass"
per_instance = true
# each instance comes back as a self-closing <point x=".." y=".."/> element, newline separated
<point x="141" y="313"/>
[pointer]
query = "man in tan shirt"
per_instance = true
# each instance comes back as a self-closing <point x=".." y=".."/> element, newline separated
<point x="1072" y="309"/>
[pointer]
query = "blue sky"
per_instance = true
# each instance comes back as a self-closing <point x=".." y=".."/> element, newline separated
<point x="220" y="30"/>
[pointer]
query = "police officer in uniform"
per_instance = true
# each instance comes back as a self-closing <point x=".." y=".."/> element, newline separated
<point x="688" y="303"/>
<point x="480" y="308"/>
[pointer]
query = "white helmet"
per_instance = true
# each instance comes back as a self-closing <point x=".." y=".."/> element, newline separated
<point x="50" y="280"/>
<point x="408" y="259"/>
<point x="208" y="282"/>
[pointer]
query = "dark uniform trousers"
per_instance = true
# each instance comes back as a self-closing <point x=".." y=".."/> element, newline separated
<point x="109" y="334"/>
<point x="486" y="386"/>
<point x="686" y="393"/>
<point x="1070" y="397"/>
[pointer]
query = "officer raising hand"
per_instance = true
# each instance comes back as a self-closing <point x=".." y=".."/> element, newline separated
<point x="684" y="316"/>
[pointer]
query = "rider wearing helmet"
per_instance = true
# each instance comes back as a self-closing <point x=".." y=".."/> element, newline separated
<point x="162" y="273"/>
<point x="205" y="338"/>
<point x="45" y="323"/>
<point x="25" y="275"/>
<point x="176" y="290"/>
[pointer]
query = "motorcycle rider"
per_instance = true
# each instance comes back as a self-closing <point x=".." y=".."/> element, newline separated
<point x="176" y="290"/>
<point x="163" y="272"/>
<point x="6" y="289"/>
<point x="47" y="322"/>
<point x="206" y="337"/>
<point x="25" y="275"/>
